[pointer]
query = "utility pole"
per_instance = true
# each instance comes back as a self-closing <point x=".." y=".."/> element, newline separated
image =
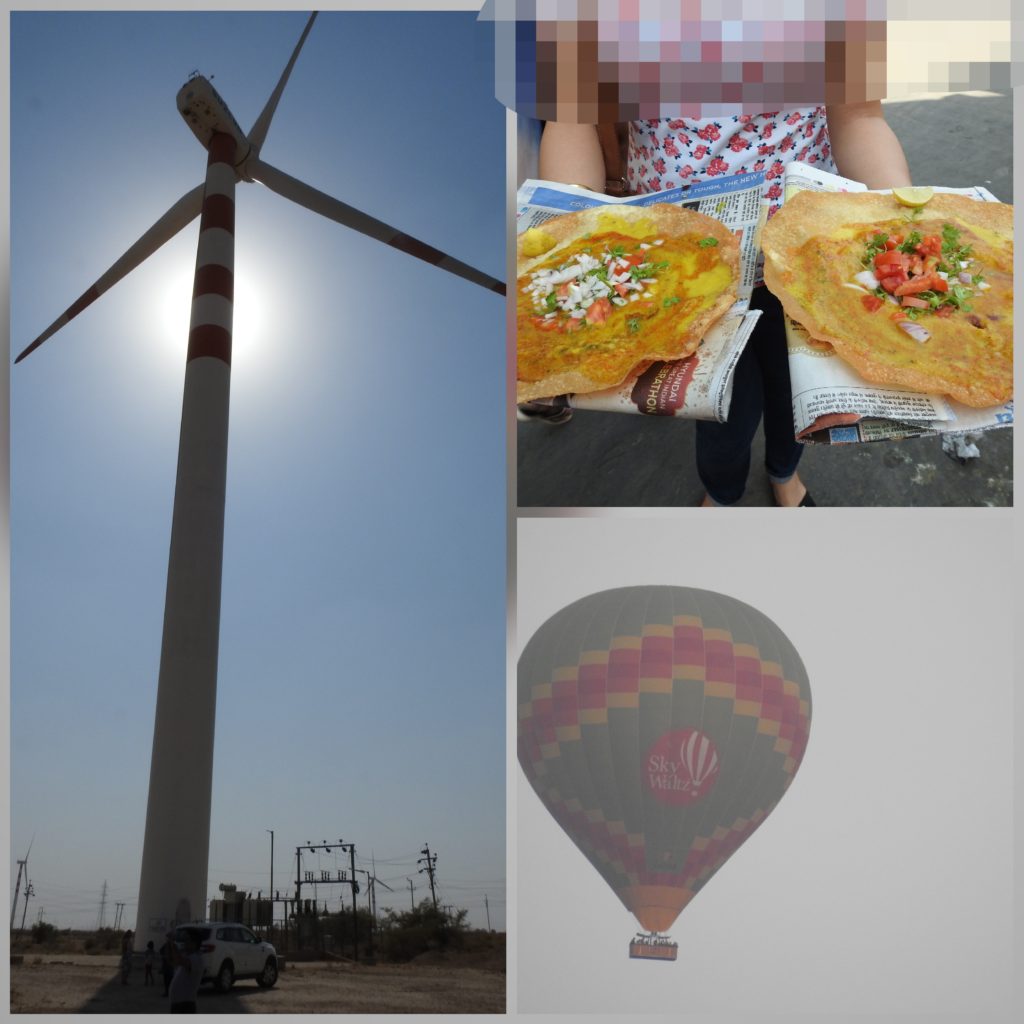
<point x="29" y="891"/>
<point x="22" y="866"/>
<point x="103" y="905"/>
<point x="487" y="907"/>
<point x="431" y="862"/>
<point x="271" y="831"/>
<point x="412" y="899"/>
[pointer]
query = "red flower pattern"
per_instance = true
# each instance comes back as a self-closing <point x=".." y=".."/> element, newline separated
<point x="663" y="154"/>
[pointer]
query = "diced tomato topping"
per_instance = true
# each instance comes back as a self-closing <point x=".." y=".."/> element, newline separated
<point x="573" y="324"/>
<point x="622" y="290"/>
<point x="872" y="302"/>
<point x="930" y="245"/>
<point x="634" y="259"/>
<point x="909" y="300"/>
<point x="898" y="315"/>
<point x="891" y="257"/>
<point x="921" y="283"/>
<point x="891" y="283"/>
<point x="945" y="310"/>
<point x="598" y="311"/>
<point x="563" y="290"/>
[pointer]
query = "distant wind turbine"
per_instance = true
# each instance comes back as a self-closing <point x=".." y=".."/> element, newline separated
<point x="176" y="847"/>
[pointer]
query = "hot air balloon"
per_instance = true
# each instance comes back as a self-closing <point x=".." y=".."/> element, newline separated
<point x="660" y="726"/>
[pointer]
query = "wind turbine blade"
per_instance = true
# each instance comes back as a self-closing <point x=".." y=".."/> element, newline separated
<point x="258" y="132"/>
<point x="319" y="202"/>
<point x="183" y="212"/>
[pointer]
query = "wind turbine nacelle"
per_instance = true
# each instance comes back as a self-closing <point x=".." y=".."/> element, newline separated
<point x="206" y="114"/>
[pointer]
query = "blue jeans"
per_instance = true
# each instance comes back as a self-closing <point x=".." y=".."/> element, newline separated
<point x="760" y="387"/>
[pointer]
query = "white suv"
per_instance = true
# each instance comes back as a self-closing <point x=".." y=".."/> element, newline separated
<point x="231" y="951"/>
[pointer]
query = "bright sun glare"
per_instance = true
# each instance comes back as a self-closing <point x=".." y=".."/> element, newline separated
<point x="250" y="331"/>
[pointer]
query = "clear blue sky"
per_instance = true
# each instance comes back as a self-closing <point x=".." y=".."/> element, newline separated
<point x="361" y="689"/>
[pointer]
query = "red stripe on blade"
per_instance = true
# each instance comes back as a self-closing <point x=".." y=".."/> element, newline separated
<point x="209" y="340"/>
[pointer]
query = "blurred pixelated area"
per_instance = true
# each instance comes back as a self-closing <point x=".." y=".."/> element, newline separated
<point x="601" y="61"/>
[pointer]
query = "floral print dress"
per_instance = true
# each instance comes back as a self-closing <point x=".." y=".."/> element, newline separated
<point x="673" y="152"/>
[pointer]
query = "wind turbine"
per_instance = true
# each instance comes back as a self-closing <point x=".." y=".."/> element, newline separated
<point x="176" y="844"/>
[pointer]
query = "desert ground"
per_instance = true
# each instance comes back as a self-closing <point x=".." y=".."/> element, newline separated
<point x="434" y="983"/>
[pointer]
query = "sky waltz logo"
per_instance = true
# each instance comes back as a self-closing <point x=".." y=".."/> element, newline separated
<point x="681" y="767"/>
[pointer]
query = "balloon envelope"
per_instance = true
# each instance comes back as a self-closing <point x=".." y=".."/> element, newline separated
<point x="660" y="726"/>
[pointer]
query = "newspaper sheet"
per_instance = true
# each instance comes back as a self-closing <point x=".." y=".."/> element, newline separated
<point x="832" y="403"/>
<point x="699" y="387"/>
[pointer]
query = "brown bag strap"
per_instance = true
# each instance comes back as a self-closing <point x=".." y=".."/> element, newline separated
<point x="614" y="140"/>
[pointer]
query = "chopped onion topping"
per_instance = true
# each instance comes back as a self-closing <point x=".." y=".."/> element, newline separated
<point x="915" y="330"/>
<point x="868" y="279"/>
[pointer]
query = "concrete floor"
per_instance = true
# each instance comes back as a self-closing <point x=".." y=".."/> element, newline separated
<point x="613" y="459"/>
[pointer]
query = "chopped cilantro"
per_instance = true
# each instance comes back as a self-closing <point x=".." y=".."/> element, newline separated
<point x="958" y="295"/>
<point x="705" y="242"/>
<point x="617" y="251"/>
<point x="660" y="266"/>
<point x="633" y="323"/>
<point x="551" y="302"/>
<point x="876" y="244"/>
<point x="670" y="302"/>
<point x="954" y="252"/>
<point x="911" y="242"/>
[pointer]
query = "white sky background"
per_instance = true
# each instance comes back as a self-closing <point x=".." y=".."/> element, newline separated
<point x="882" y="882"/>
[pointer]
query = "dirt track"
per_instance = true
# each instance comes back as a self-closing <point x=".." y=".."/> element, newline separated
<point x="88" y="984"/>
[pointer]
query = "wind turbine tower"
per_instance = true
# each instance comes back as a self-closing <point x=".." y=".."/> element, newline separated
<point x="177" y="836"/>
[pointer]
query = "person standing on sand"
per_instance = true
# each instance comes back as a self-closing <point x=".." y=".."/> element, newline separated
<point x="150" y="957"/>
<point x="126" y="955"/>
<point x="166" y="967"/>
<point x="188" y="972"/>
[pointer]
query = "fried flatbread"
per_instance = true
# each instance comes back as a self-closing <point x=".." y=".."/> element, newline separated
<point x="605" y="292"/>
<point x="956" y="336"/>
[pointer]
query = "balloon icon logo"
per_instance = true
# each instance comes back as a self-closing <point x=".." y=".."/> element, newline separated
<point x="660" y="726"/>
<point x="681" y="767"/>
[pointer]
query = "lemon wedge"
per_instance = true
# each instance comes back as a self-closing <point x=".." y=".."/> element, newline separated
<point x="915" y="195"/>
